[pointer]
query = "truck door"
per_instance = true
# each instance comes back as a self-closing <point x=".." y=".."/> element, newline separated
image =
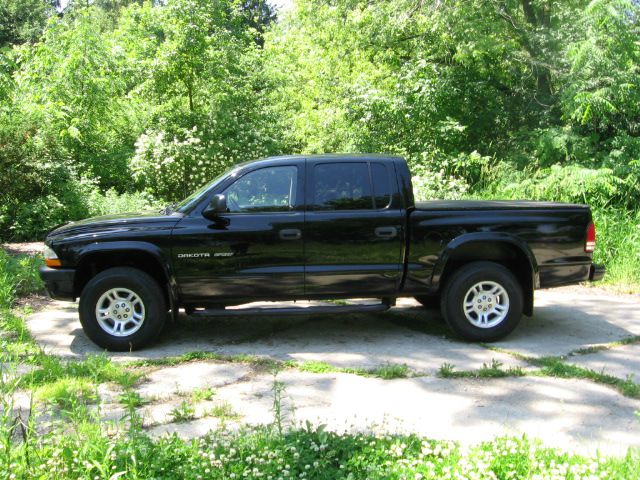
<point x="253" y="251"/>
<point x="353" y="231"/>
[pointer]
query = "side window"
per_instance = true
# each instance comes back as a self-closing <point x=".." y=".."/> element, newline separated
<point x="271" y="189"/>
<point x="381" y="184"/>
<point x="342" y="186"/>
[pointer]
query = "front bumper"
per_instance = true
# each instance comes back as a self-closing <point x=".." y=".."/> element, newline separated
<point x="596" y="273"/>
<point x="59" y="282"/>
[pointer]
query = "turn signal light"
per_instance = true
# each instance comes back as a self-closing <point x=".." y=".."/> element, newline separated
<point x="50" y="258"/>
<point x="590" y="242"/>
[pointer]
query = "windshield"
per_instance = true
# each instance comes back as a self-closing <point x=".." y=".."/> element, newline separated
<point x="194" y="198"/>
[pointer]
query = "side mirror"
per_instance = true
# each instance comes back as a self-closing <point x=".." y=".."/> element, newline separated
<point x="217" y="206"/>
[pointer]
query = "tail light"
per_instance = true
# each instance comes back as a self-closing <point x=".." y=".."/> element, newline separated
<point x="590" y="242"/>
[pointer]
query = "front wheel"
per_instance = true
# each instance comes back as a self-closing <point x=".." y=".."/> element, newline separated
<point x="122" y="309"/>
<point x="482" y="301"/>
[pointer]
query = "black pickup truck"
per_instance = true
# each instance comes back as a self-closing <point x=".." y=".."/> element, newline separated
<point x="316" y="227"/>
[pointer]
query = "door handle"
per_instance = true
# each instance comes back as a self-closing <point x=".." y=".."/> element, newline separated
<point x="386" y="232"/>
<point x="290" y="234"/>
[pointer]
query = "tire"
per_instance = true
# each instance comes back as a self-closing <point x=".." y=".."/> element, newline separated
<point x="492" y="297"/>
<point x="123" y="292"/>
<point x="429" y="301"/>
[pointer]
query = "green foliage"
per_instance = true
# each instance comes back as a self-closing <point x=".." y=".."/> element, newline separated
<point x="66" y="393"/>
<point x="110" y="202"/>
<point x="183" y="412"/>
<point x="224" y="411"/>
<point x="603" y="89"/>
<point x="204" y="393"/>
<point x="300" y="453"/>
<point x="556" y="367"/>
<point x="517" y="99"/>
<point x="97" y="368"/>
<point x="72" y="84"/>
<point x="618" y="245"/>
<point x="18" y="276"/>
<point x="23" y="20"/>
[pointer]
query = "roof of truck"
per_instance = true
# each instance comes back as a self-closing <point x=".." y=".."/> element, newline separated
<point x="339" y="156"/>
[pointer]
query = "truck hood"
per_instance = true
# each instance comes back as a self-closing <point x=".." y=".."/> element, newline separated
<point x="113" y="224"/>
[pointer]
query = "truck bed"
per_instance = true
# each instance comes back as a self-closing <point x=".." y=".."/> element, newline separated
<point x="439" y="205"/>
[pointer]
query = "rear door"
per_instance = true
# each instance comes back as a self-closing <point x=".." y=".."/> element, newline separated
<point x="353" y="231"/>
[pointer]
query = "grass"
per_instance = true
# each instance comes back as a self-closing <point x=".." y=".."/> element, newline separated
<point x="386" y="372"/>
<point x="300" y="453"/>
<point x="132" y="399"/>
<point x="224" y="411"/>
<point x="556" y="367"/>
<point x="18" y="276"/>
<point x="202" y="394"/>
<point x="260" y="362"/>
<point x="618" y="248"/>
<point x="67" y="392"/>
<point x="493" y="370"/>
<point x="606" y="346"/>
<point x="183" y="412"/>
<point x="552" y="367"/>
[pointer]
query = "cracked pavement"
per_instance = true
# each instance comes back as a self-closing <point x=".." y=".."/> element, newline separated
<point x="574" y="414"/>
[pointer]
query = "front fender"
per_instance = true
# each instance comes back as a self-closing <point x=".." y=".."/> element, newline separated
<point x="131" y="247"/>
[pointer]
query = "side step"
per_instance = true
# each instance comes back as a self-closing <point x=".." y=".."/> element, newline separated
<point x="258" y="311"/>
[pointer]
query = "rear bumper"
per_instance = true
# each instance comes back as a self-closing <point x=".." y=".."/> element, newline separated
<point x="596" y="273"/>
<point x="59" y="282"/>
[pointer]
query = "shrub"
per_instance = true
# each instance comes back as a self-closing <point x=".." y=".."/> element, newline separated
<point x="111" y="202"/>
<point x="436" y="184"/>
<point x="171" y="163"/>
<point x="618" y="245"/>
<point x="18" y="276"/>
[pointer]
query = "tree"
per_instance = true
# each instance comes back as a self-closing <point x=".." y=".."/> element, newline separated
<point x="23" y="21"/>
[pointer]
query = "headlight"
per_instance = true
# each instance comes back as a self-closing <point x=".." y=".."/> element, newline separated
<point x="50" y="257"/>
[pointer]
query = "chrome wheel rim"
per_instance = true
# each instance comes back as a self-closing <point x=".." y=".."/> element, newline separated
<point x="486" y="304"/>
<point x="120" y="312"/>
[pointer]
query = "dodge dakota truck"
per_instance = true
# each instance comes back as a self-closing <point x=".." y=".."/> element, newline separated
<point x="316" y="227"/>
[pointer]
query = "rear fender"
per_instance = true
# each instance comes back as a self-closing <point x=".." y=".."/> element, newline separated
<point x="492" y="246"/>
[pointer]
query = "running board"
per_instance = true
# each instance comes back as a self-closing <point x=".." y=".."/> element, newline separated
<point x="257" y="311"/>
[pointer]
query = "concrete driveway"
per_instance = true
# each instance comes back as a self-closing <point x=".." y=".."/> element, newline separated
<point x="570" y="413"/>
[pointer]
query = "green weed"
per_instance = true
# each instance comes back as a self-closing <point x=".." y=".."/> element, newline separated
<point x="224" y="411"/>
<point x="556" y="367"/>
<point x="67" y="392"/>
<point x="131" y="399"/>
<point x="493" y="370"/>
<point x="388" y="371"/>
<point x="183" y="412"/>
<point x="202" y="394"/>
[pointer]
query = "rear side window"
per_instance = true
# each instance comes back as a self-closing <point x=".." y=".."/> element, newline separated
<point x="381" y="184"/>
<point x="342" y="186"/>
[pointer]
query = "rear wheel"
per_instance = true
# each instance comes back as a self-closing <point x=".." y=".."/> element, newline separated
<point x="482" y="301"/>
<point x="122" y="309"/>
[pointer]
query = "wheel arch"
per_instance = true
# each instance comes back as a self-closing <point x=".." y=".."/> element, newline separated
<point x="144" y="256"/>
<point x="504" y="249"/>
